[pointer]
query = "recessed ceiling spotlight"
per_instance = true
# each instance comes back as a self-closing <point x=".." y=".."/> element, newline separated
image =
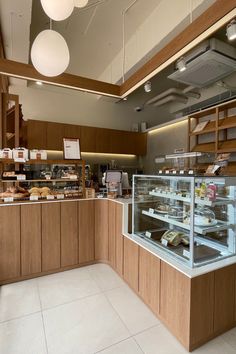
<point x="148" y="86"/>
<point x="181" y="65"/>
<point x="39" y="83"/>
<point x="231" y="30"/>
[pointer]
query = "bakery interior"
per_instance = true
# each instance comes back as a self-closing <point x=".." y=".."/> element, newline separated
<point x="118" y="176"/>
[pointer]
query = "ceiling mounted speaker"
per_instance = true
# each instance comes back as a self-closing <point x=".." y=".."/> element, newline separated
<point x="81" y="3"/>
<point x="50" y="54"/>
<point x="58" y="10"/>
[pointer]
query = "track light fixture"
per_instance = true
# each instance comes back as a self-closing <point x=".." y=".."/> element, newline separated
<point x="231" y="30"/>
<point x="148" y="86"/>
<point x="180" y="64"/>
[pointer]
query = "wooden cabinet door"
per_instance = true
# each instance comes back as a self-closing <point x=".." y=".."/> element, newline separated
<point x="31" y="252"/>
<point x="51" y="236"/>
<point x="55" y="134"/>
<point x="112" y="233"/>
<point x="72" y="131"/>
<point x="119" y="239"/>
<point x="86" y="231"/>
<point x="9" y="242"/>
<point x="101" y="230"/>
<point x="131" y="263"/>
<point x="88" y="139"/>
<point x="36" y="134"/>
<point x="149" y="279"/>
<point x="69" y="234"/>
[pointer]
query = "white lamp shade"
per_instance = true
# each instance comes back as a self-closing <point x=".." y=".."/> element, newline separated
<point x="58" y="10"/>
<point x="80" y="3"/>
<point x="50" y="54"/>
<point x="231" y="30"/>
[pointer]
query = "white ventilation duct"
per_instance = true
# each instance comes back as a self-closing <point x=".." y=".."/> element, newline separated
<point x="170" y="98"/>
<point x="173" y="95"/>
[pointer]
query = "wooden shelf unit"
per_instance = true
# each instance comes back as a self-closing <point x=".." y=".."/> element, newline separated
<point x="220" y="121"/>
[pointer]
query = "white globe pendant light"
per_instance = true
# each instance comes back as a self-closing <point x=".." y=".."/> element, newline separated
<point x="81" y="3"/>
<point x="50" y="54"/>
<point x="58" y="10"/>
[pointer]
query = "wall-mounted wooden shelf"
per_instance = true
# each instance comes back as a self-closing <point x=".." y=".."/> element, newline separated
<point x="219" y="139"/>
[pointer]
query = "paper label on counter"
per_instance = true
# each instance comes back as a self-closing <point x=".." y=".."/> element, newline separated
<point x="34" y="197"/>
<point x="186" y="253"/>
<point x="181" y="172"/>
<point x="174" y="172"/>
<point x="151" y="211"/>
<point x="50" y="197"/>
<point x="8" y="200"/>
<point x="148" y="234"/>
<point x="190" y="172"/>
<point x="60" y="196"/>
<point x="167" y="172"/>
<point x="160" y="172"/>
<point x="164" y="242"/>
<point x="21" y="177"/>
<point x="19" y="159"/>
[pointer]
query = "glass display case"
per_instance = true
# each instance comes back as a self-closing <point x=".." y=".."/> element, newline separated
<point x="41" y="180"/>
<point x="192" y="218"/>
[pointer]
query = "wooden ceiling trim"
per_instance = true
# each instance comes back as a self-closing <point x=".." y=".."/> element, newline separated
<point x="213" y="14"/>
<point x="27" y="71"/>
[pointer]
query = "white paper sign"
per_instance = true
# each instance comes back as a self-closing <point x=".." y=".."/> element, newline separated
<point x="60" y="196"/>
<point x="148" y="234"/>
<point x="8" y="200"/>
<point x="151" y="211"/>
<point x="181" y="172"/>
<point x="164" y="242"/>
<point x="71" y="149"/>
<point x="21" y="177"/>
<point x="34" y="197"/>
<point x="186" y="253"/>
<point x="50" y="197"/>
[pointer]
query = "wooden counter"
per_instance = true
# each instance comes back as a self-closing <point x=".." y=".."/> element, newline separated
<point x="42" y="238"/>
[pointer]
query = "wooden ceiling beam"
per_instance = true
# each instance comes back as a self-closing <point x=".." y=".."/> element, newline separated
<point x="4" y="82"/>
<point x="28" y="72"/>
<point x="213" y="14"/>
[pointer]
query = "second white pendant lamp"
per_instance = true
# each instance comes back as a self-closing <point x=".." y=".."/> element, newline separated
<point x="58" y="10"/>
<point x="81" y="3"/>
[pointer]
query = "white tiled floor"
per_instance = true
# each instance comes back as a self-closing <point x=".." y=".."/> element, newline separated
<point x="86" y="311"/>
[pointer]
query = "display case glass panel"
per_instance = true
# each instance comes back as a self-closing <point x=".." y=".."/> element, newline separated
<point x="191" y="218"/>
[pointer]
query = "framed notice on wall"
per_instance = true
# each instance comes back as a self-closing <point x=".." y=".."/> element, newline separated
<point x="71" y="149"/>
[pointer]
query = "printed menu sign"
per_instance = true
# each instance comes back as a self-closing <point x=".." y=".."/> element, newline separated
<point x="71" y="149"/>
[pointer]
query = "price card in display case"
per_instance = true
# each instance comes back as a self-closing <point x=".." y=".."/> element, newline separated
<point x="60" y="196"/>
<point x="151" y="211"/>
<point x="164" y="242"/>
<point x="34" y="198"/>
<point x="186" y="253"/>
<point x="50" y="197"/>
<point x="148" y="234"/>
<point x="8" y="200"/>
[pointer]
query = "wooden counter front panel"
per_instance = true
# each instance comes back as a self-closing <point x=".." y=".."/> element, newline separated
<point x="119" y="239"/>
<point x="51" y="236"/>
<point x="101" y="230"/>
<point x="175" y="302"/>
<point x="149" y="279"/>
<point x="86" y="231"/>
<point x="131" y="263"/>
<point x="31" y="250"/>
<point x="112" y="233"/>
<point x="9" y="242"/>
<point x="202" y="308"/>
<point x="224" y="303"/>
<point x="69" y="234"/>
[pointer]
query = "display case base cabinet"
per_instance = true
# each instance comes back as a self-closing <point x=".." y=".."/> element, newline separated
<point x="131" y="263"/>
<point x="31" y="245"/>
<point x="51" y="236"/>
<point x="69" y="234"/>
<point x="149" y="279"/>
<point x="9" y="242"/>
<point x="112" y="233"/>
<point x="119" y="246"/>
<point x="86" y="222"/>
<point x="101" y="227"/>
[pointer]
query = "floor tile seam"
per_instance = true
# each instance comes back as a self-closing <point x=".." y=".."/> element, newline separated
<point x="226" y="342"/>
<point x="44" y="329"/>
<point x="118" y="315"/>
<point x="20" y="317"/>
<point x="110" y="346"/>
<point x="147" y="329"/>
<point x="71" y="301"/>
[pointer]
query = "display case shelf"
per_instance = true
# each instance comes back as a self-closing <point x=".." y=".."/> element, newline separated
<point x="40" y="180"/>
<point x="202" y="230"/>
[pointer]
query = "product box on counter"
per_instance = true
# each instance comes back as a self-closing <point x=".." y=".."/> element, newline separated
<point x="5" y="153"/>
<point x="38" y="154"/>
<point x="20" y="154"/>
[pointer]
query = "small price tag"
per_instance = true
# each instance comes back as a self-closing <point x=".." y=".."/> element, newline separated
<point x="148" y="234"/>
<point x="74" y="177"/>
<point x="190" y="172"/>
<point x="181" y="172"/>
<point x="19" y="159"/>
<point x="21" y="177"/>
<point x="164" y="242"/>
<point x="50" y="197"/>
<point x="34" y="197"/>
<point x="151" y="211"/>
<point x="167" y="172"/>
<point x="186" y="253"/>
<point x="160" y="172"/>
<point x="8" y="200"/>
<point x="60" y="196"/>
<point x="174" y="172"/>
